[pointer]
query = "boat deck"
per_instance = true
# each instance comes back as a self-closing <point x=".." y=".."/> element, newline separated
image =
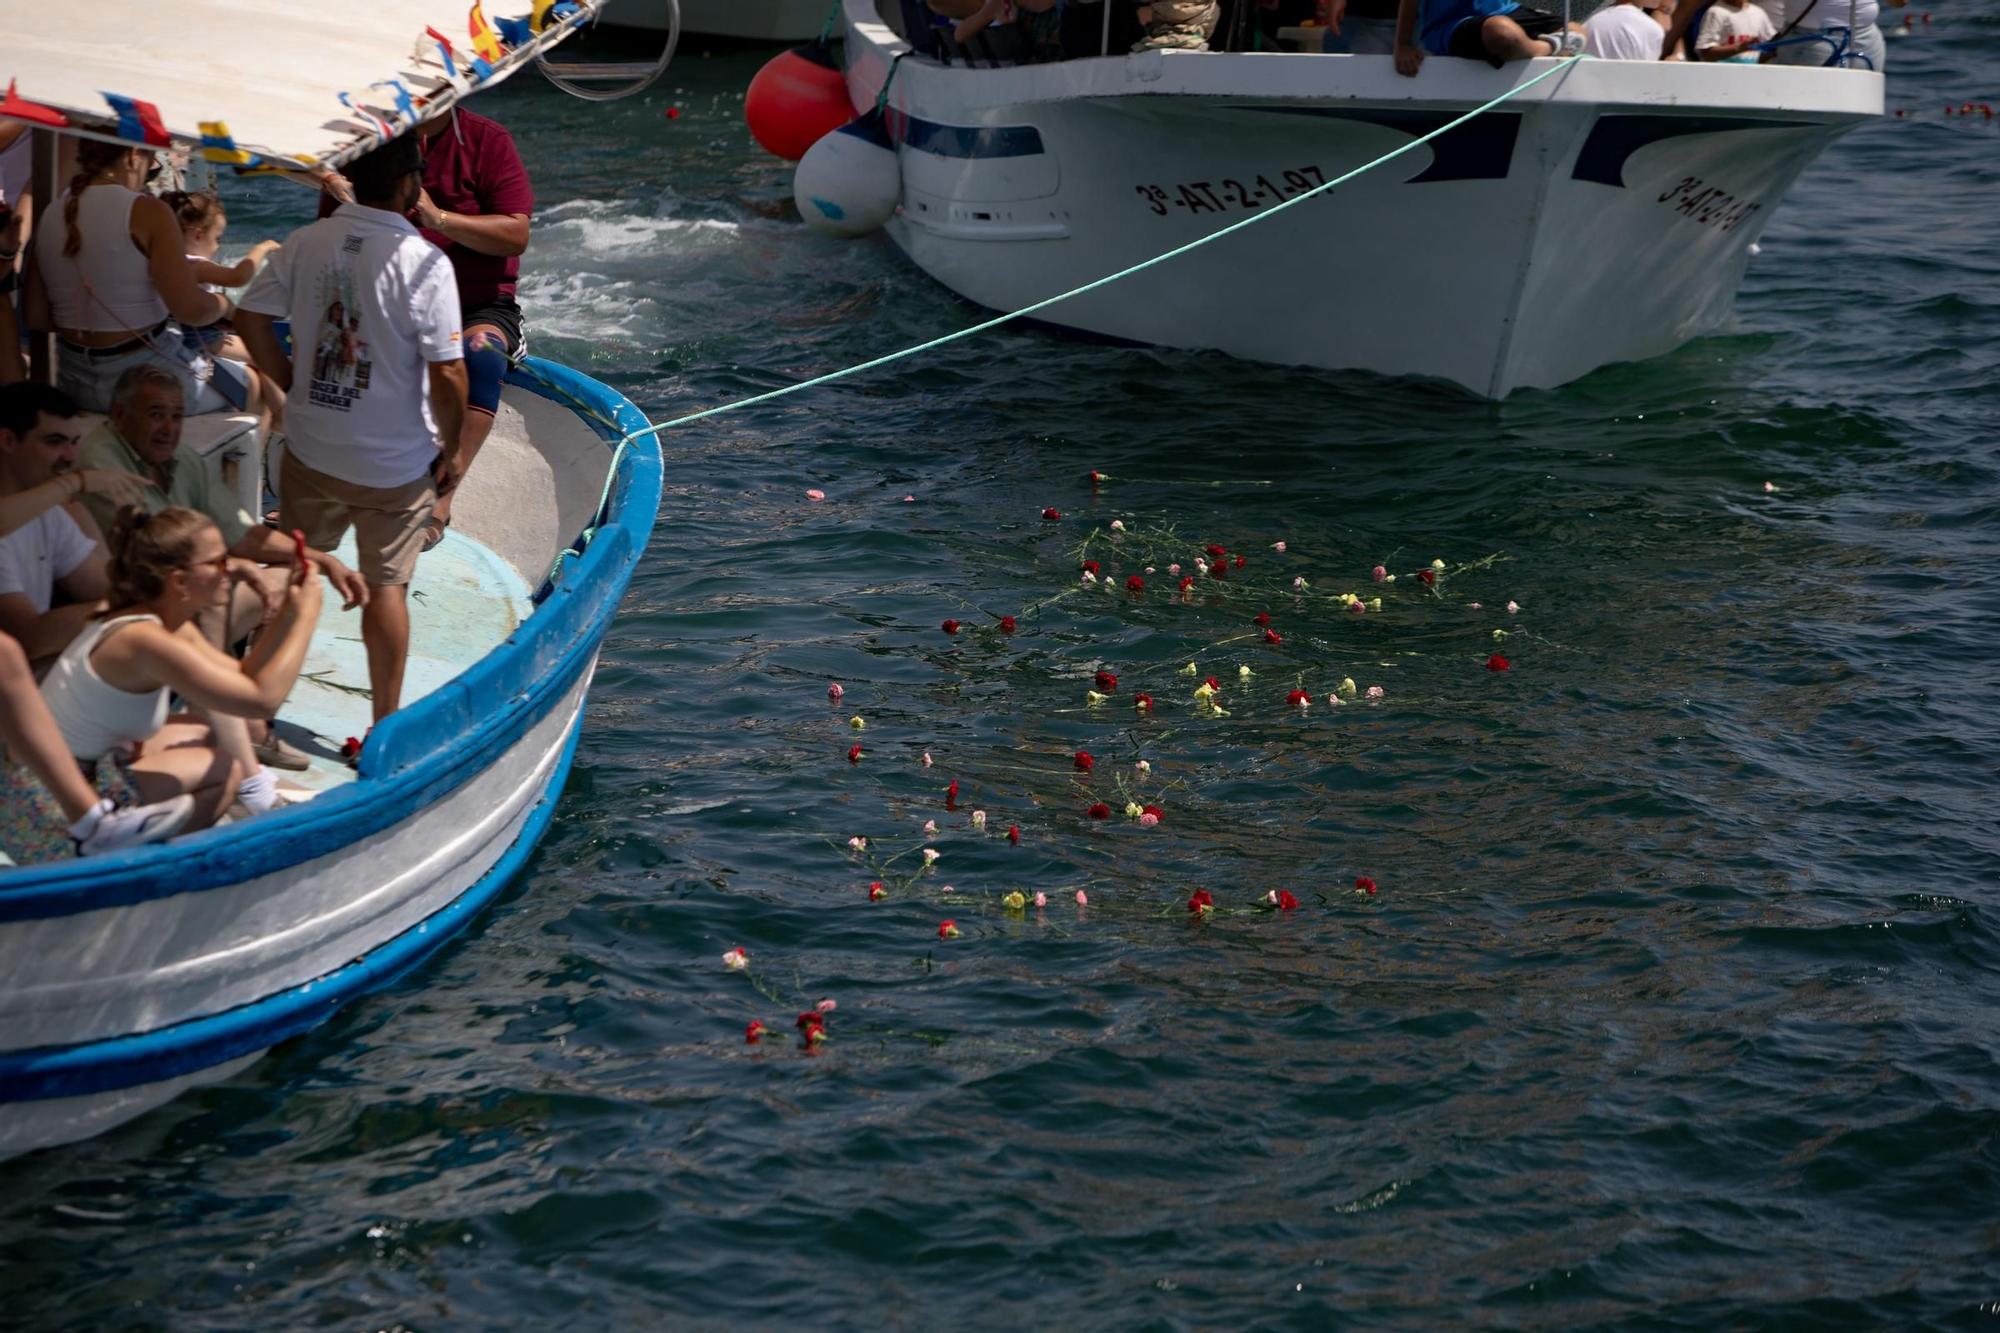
<point x="464" y="601"/>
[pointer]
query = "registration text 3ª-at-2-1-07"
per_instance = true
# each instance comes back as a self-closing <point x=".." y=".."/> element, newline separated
<point x="1230" y="195"/>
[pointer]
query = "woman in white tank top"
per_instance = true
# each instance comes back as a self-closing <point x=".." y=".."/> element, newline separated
<point x="107" y="271"/>
<point x="109" y="690"/>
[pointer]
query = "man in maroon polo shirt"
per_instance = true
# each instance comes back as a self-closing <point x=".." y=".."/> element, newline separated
<point x="474" y="206"/>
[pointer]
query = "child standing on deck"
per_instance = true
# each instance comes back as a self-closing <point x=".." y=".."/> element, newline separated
<point x="1731" y="29"/>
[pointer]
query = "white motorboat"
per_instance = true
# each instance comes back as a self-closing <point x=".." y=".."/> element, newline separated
<point x="750" y="20"/>
<point x="1604" y="215"/>
<point x="127" y="978"/>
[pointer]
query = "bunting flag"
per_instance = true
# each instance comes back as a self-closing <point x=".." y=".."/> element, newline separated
<point x="446" y="53"/>
<point x="485" y="42"/>
<point x="139" y="122"/>
<point x="380" y="126"/>
<point x="405" y="106"/>
<point x="546" y="12"/>
<point x="514" y="32"/>
<point x="14" y="107"/>
<point x="218" y="145"/>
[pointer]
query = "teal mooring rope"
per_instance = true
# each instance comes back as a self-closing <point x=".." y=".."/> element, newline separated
<point x="1108" y="279"/>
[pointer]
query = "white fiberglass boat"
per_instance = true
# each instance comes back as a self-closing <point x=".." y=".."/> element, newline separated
<point x="1604" y="215"/>
<point x="128" y="978"/>
<point x="750" y="20"/>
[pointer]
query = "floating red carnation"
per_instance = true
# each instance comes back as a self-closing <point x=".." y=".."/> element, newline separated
<point x="1187" y="582"/>
<point x="1155" y="812"/>
<point x="1218" y="570"/>
<point x="1286" y="902"/>
<point x="1099" y="811"/>
<point x="951" y="795"/>
<point x="1213" y="684"/>
<point x="1142" y="702"/>
<point x="1007" y="625"/>
<point x="947" y="930"/>
<point x="1239" y="562"/>
<point x="1051" y="514"/>
<point x="1090" y="566"/>
<point x="854" y="754"/>
<point x="1216" y="552"/>
<point x="1200" y="904"/>
<point x="1133" y="583"/>
<point x="1426" y="577"/>
<point x="1106" y="682"/>
<point x="1498" y="663"/>
<point x="876" y="893"/>
<point x="1364" y="885"/>
<point x="1095" y="476"/>
<point x="1013" y="833"/>
<point x="1083" y="761"/>
<point x="810" y="1019"/>
<point x="1263" y="617"/>
<point x="1272" y="636"/>
<point x="1298" y="698"/>
<point x="754" y="1033"/>
<point x="949" y="627"/>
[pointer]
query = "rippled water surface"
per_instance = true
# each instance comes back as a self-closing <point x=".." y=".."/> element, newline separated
<point x="1676" y="1006"/>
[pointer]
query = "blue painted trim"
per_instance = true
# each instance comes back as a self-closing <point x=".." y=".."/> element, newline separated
<point x="1613" y="139"/>
<point x="429" y="749"/>
<point x="1478" y="150"/>
<point x="965" y="141"/>
<point x="203" y="1043"/>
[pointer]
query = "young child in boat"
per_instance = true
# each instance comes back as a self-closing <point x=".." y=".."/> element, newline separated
<point x="202" y="222"/>
<point x="1729" y="31"/>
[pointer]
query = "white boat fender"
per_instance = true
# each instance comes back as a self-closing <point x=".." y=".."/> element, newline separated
<point x="848" y="184"/>
<point x="799" y="97"/>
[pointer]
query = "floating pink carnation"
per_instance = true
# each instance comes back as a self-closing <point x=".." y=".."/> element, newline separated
<point x="815" y="495"/>
<point x="833" y="692"/>
<point x="1380" y="573"/>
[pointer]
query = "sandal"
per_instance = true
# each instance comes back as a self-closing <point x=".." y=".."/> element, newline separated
<point x="433" y="532"/>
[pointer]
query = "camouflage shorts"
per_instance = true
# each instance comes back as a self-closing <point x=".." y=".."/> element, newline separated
<point x="1180" y="25"/>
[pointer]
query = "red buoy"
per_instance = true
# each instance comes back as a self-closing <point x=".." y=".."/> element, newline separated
<point x="799" y="96"/>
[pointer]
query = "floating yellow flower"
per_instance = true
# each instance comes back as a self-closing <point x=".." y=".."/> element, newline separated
<point x="1093" y="698"/>
<point x="1014" y="901"/>
<point x="1374" y="603"/>
<point x="1190" y="670"/>
<point x="1243" y="673"/>
<point x="1346" y="687"/>
<point x="857" y="722"/>
<point x="1133" y="810"/>
<point x="1204" y="691"/>
<point x="1437" y="564"/>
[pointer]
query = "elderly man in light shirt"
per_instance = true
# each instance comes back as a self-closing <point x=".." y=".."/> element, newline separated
<point x="142" y="436"/>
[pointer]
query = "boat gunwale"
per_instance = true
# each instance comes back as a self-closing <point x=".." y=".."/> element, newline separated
<point x="411" y="760"/>
<point x="1667" y="87"/>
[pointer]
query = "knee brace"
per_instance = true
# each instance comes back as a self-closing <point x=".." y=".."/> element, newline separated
<point x="485" y="369"/>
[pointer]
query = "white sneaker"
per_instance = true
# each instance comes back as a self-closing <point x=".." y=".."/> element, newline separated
<point x="258" y="792"/>
<point x="108" y="828"/>
<point x="1571" y="43"/>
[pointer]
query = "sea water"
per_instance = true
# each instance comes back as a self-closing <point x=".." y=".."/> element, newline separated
<point x="1675" y="1005"/>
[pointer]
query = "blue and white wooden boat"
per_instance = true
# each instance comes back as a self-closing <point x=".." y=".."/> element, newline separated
<point x="129" y="978"/>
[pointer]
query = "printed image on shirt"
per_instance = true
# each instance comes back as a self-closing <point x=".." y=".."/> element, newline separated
<point x="340" y="363"/>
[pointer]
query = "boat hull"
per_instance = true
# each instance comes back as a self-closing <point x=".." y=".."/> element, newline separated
<point x="1605" y="215"/>
<point x="127" y="979"/>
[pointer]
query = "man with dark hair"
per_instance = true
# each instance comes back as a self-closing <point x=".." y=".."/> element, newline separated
<point x="474" y="206"/>
<point x="52" y="569"/>
<point x="375" y="437"/>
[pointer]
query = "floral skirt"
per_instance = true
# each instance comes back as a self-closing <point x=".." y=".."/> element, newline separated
<point x="33" y="828"/>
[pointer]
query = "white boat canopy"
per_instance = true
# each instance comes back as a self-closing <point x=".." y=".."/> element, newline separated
<point x="295" y="83"/>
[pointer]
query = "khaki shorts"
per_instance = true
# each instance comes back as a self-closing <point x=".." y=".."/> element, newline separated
<point x="388" y="521"/>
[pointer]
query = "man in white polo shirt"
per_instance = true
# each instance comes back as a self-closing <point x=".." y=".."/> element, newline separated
<point x="1624" y="30"/>
<point x="376" y="379"/>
